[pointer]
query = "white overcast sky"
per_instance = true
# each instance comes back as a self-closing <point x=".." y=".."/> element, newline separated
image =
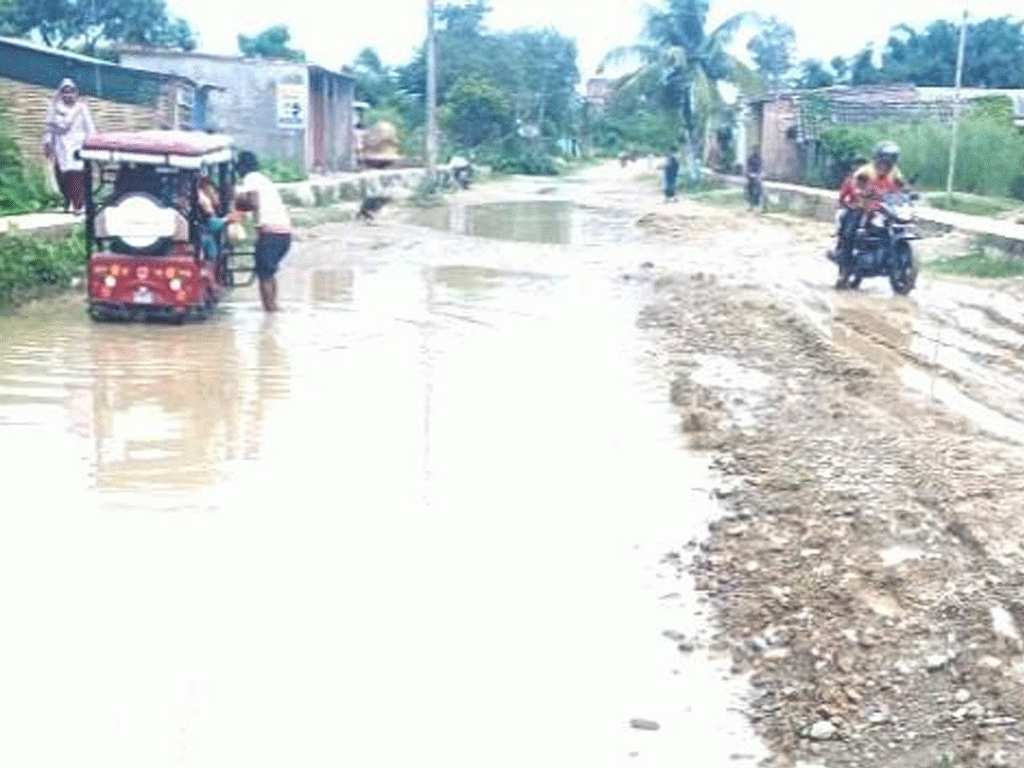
<point x="332" y="33"/>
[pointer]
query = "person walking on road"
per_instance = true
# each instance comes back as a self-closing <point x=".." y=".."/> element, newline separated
<point x="671" y="170"/>
<point x="754" y="170"/>
<point x="257" y="193"/>
<point x="68" y="125"/>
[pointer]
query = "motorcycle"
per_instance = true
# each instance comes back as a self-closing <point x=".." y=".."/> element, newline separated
<point x="882" y="246"/>
<point x="462" y="174"/>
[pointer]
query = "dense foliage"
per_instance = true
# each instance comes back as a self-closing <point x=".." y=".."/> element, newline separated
<point x="23" y="185"/>
<point x="271" y="43"/>
<point x="690" y="61"/>
<point x="89" y="26"/>
<point x="991" y="154"/>
<point x="30" y="264"/>
<point x="507" y="97"/>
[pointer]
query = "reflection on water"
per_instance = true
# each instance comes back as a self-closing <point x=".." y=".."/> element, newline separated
<point x="532" y="221"/>
<point x="435" y="495"/>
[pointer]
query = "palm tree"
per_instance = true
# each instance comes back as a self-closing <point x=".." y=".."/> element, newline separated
<point x="690" y="61"/>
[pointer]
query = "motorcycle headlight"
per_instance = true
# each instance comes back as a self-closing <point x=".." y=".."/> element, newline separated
<point x="110" y="281"/>
<point x="175" y="284"/>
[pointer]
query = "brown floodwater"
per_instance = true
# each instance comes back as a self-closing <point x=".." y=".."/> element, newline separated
<point x="417" y="516"/>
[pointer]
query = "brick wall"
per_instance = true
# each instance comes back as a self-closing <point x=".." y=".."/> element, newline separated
<point x="781" y="159"/>
<point x="26" y="107"/>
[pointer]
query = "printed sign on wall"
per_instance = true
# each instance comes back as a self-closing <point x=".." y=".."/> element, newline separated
<point x="291" y="106"/>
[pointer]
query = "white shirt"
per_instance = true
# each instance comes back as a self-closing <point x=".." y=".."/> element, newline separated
<point x="271" y="213"/>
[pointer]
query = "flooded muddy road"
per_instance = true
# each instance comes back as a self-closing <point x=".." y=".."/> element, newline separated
<point x="419" y="516"/>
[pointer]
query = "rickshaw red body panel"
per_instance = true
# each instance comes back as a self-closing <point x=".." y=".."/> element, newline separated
<point x="175" y="284"/>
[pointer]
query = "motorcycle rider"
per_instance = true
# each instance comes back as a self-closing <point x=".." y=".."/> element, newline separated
<point x="871" y="182"/>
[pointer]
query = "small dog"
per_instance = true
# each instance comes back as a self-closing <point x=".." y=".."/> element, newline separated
<point x="370" y="207"/>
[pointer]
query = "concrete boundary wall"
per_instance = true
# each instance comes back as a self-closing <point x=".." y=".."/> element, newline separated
<point x="314" y="193"/>
<point x="352" y="187"/>
<point x="1006" y="237"/>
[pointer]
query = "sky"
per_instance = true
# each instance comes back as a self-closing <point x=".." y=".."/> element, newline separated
<point x="396" y="27"/>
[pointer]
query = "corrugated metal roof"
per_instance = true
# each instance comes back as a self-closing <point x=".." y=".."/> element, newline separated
<point x="30" y="45"/>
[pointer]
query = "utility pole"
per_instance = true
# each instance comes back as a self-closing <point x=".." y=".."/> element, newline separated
<point x="956" y="109"/>
<point x="431" y="138"/>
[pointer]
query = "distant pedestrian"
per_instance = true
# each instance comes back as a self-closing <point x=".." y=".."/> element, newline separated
<point x="257" y="193"/>
<point x="68" y="125"/>
<point x="755" y="187"/>
<point x="671" y="173"/>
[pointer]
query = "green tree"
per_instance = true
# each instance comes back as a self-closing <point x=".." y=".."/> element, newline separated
<point x="814" y="75"/>
<point x="691" y="62"/>
<point x="993" y="56"/>
<point x="476" y="112"/>
<point x="540" y="78"/>
<point x="772" y="49"/>
<point x="535" y="70"/>
<point x="863" y="70"/>
<point x="88" y="25"/>
<point x="375" y="82"/>
<point x="842" y="69"/>
<point x="271" y="43"/>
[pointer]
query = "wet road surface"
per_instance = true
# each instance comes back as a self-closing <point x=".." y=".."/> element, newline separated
<point x="416" y="517"/>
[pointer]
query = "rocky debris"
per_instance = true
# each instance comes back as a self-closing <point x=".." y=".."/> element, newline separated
<point x="844" y="592"/>
<point x="823" y="730"/>
<point x="643" y="725"/>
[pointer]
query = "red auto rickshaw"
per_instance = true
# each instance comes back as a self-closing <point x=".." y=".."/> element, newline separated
<point x="155" y="248"/>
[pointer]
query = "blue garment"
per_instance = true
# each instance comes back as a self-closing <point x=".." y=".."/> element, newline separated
<point x="211" y="238"/>
<point x="671" y="176"/>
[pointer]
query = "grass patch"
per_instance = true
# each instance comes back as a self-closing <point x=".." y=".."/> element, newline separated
<point x="979" y="264"/>
<point x="972" y="206"/>
<point x="30" y="265"/>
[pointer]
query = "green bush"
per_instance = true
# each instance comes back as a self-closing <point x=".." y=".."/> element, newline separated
<point x="527" y="165"/>
<point x="990" y="154"/>
<point x="283" y="173"/>
<point x="23" y="186"/>
<point x="30" y="264"/>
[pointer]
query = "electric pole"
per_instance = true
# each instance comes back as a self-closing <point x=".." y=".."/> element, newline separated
<point x="956" y="109"/>
<point x="431" y="138"/>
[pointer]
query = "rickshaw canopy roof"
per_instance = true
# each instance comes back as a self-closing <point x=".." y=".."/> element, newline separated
<point x="178" y="149"/>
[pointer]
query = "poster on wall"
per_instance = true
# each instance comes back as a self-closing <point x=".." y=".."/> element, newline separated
<point x="291" y="106"/>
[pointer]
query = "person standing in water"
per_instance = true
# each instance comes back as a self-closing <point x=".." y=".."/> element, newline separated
<point x="259" y="194"/>
<point x="68" y="125"/>
<point x="671" y="174"/>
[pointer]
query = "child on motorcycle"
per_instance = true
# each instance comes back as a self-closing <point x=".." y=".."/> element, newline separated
<point x="851" y="194"/>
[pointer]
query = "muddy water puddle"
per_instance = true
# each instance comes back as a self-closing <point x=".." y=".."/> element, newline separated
<point x="541" y="221"/>
<point x="422" y="512"/>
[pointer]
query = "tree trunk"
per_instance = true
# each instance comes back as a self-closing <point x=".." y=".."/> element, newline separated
<point x="689" y="153"/>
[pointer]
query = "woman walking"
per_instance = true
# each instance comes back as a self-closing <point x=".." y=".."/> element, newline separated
<point x="68" y="125"/>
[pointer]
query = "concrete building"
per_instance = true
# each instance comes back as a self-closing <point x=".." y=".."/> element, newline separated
<point x="119" y="97"/>
<point x="296" y="113"/>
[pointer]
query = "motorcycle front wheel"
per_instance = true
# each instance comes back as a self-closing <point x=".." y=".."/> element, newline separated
<point x="903" y="275"/>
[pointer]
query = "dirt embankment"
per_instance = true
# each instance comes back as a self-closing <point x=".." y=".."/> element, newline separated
<point x="869" y="570"/>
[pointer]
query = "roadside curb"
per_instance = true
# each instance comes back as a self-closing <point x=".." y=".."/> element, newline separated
<point x="820" y="204"/>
